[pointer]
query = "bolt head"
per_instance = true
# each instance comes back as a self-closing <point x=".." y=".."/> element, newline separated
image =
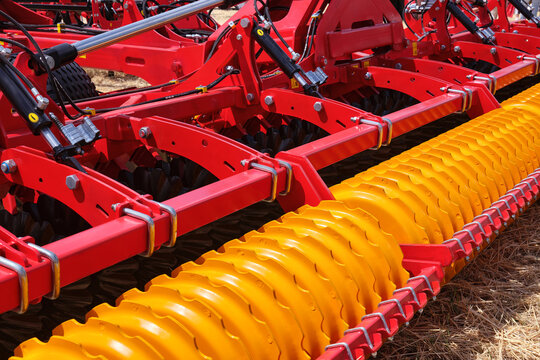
<point x="72" y="182"/>
<point x="368" y="76"/>
<point x="457" y="49"/>
<point x="443" y="47"/>
<point x="126" y="5"/>
<point x="398" y="66"/>
<point x="515" y="31"/>
<point x="493" y="51"/>
<point x="244" y="23"/>
<point x="250" y="97"/>
<point x="318" y="106"/>
<point x="239" y="37"/>
<point x="8" y="166"/>
<point x="269" y="100"/>
<point x="144" y="132"/>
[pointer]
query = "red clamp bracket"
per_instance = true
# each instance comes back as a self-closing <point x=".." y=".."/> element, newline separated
<point x="273" y="172"/>
<point x="20" y="253"/>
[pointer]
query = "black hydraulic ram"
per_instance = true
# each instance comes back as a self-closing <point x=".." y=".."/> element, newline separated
<point x="524" y="10"/>
<point x="65" y="53"/>
<point x="22" y="101"/>
<point x="285" y="63"/>
<point x="486" y="35"/>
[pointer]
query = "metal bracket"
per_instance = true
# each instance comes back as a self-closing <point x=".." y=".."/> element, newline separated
<point x="426" y="279"/>
<point x="408" y="288"/>
<point x="23" y="282"/>
<point x="491" y="80"/>
<point x="390" y="125"/>
<point x="55" y="269"/>
<point x="460" y="245"/>
<point x="467" y="97"/>
<point x="470" y="234"/>
<point x="379" y="127"/>
<point x="389" y="301"/>
<point x="268" y="169"/>
<point x="151" y="229"/>
<point x="536" y="62"/>
<point x="366" y="335"/>
<point x="174" y="222"/>
<point x="345" y="345"/>
<point x="381" y="316"/>
<point x="288" y="184"/>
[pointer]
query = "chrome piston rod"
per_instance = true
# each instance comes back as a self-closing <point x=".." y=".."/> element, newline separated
<point x="154" y="22"/>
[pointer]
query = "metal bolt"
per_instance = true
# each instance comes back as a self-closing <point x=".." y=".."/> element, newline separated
<point x="493" y="51"/>
<point x="515" y="31"/>
<point x="9" y="166"/>
<point x="324" y="60"/>
<point x="503" y="30"/>
<point x="244" y="23"/>
<point x="126" y="5"/>
<point x="145" y="132"/>
<point x="239" y="37"/>
<point x="72" y="182"/>
<point x="443" y="47"/>
<point x="229" y="68"/>
<point x="269" y="100"/>
<point x="457" y="49"/>
<point x="318" y="106"/>
<point x="399" y="66"/>
<point x="368" y="76"/>
<point x="250" y="97"/>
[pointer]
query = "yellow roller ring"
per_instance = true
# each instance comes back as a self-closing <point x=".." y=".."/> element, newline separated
<point x="206" y="326"/>
<point x="361" y="221"/>
<point x="263" y="305"/>
<point x="101" y="338"/>
<point x="393" y="214"/>
<point x="233" y="309"/>
<point x="56" y="348"/>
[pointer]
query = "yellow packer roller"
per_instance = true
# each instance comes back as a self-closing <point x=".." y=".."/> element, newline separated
<point x="291" y="288"/>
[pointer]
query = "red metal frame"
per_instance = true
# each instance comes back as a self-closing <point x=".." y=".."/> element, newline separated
<point x="200" y="127"/>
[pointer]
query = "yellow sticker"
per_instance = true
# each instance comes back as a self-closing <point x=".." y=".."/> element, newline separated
<point x="294" y="84"/>
<point x="59" y="28"/>
<point x="83" y="56"/>
<point x="414" y="48"/>
<point x="33" y="117"/>
<point x="260" y="32"/>
<point x="365" y="64"/>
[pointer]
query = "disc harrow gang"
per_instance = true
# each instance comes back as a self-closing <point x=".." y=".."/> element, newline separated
<point x="267" y="107"/>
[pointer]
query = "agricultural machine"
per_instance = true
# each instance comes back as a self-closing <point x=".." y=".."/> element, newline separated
<point x="255" y="110"/>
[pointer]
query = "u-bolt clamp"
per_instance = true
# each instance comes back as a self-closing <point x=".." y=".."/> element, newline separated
<point x="467" y="97"/>
<point x="273" y="172"/>
<point x="379" y="126"/>
<point x="366" y="335"/>
<point x="344" y="345"/>
<point x="151" y="229"/>
<point x="491" y="80"/>
<point x="23" y="282"/>
<point x="55" y="269"/>
<point x="174" y="222"/>
<point x="536" y="62"/>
